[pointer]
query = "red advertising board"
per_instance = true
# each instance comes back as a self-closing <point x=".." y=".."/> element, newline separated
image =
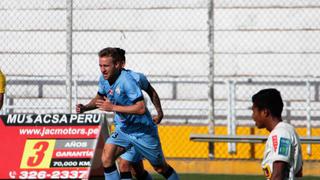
<point x="45" y="146"/>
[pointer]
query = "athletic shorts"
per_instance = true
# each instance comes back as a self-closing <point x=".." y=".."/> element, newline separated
<point x="147" y="145"/>
<point x="131" y="155"/>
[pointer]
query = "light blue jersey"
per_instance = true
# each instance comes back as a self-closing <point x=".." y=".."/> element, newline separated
<point x="138" y="134"/>
<point x="141" y="79"/>
<point x="126" y="91"/>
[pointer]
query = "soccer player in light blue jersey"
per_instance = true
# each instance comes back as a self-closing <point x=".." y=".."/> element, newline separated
<point x="131" y="161"/>
<point x="134" y="125"/>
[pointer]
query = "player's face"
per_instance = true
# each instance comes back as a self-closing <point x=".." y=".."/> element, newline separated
<point x="108" y="69"/>
<point x="258" y="116"/>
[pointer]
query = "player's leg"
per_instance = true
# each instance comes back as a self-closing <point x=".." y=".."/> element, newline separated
<point x="110" y="152"/>
<point x="131" y="160"/>
<point x="124" y="168"/>
<point x="129" y="169"/>
<point x="114" y="147"/>
<point x="149" y="146"/>
<point x="139" y="172"/>
<point x="166" y="171"/>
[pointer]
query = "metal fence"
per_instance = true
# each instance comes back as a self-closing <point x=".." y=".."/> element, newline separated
<point x="204" y="57"/>
<point x="45" y="42"/>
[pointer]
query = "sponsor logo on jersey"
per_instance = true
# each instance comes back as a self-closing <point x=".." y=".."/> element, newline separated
<point x="284" y="146"/>
<point x="110" y="92"/>
<point x="118" y="90"/>
<point x="275" y="142"/>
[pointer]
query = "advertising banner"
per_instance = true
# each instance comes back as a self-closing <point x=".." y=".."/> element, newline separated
<point x="45" y="146"/>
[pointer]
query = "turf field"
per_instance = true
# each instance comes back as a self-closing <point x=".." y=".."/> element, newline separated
<point x="213" y="177"/>
<point x="222" y="177"/>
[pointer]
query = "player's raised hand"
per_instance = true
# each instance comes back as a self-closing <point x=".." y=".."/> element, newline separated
<point x="104" y="105"/>
<point x="80" y="108"/>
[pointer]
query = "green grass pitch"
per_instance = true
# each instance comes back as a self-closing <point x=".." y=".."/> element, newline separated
<point x="222" y="177"/>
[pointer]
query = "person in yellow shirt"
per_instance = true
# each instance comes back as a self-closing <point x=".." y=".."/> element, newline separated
<point x="2" y="88"/>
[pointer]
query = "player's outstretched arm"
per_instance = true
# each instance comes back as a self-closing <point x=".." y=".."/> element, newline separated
<point x="80" y="108"/>
<point x="137" y="108"/>
<point x="156" y="102"/>
<point x="280" y="170"/>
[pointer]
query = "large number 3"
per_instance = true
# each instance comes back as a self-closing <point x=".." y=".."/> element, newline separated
<point x="40" y="148"/>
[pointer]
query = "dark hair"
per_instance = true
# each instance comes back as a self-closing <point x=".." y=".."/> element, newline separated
<point x="269" y="99"/>
<point x="117" y="54"/>
<point x="122" y="54"/>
